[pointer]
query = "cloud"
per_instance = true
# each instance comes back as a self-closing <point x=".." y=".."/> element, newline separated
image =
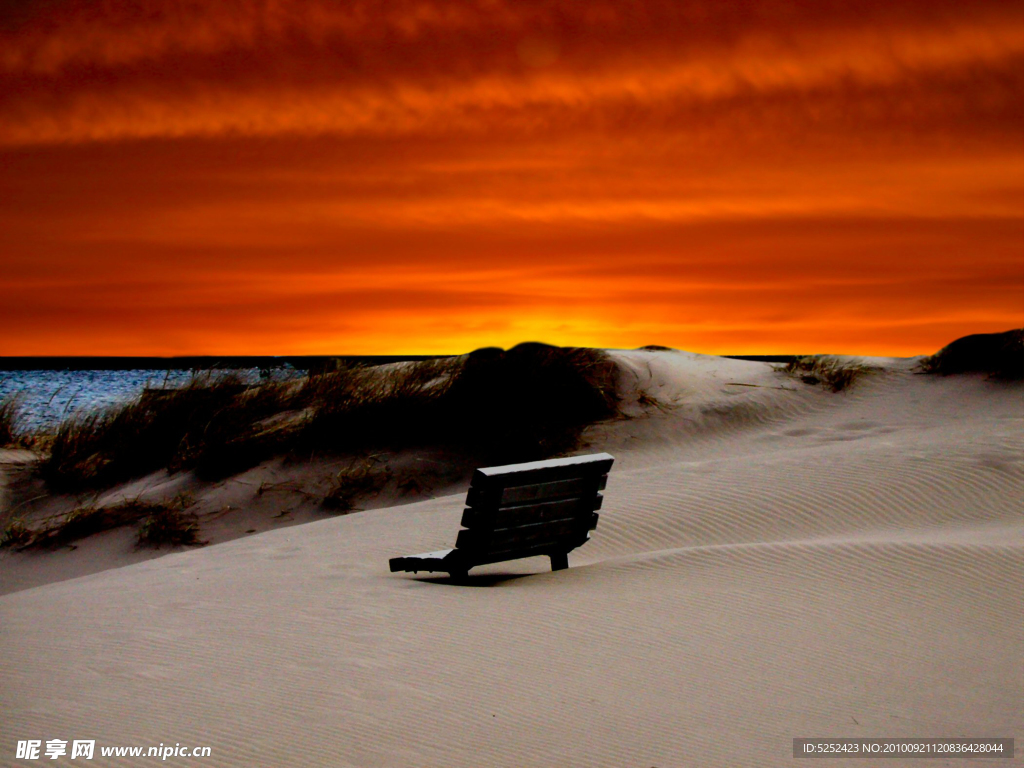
<point x="425" y="176"/>
<point x="434" y="69"/>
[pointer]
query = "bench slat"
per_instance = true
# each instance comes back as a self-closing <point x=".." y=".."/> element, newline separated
<point x="582" y="486"/>
<point x="489" y="482"/>
<point x="496" y="495"/>
<point x="527" y="514"/>
<point x="545" y="549"/>
<point x="572" y="466"/>
<point x="525" y="535"/>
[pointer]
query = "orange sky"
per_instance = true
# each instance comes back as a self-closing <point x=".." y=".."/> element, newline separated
<point x="366" y="177"/>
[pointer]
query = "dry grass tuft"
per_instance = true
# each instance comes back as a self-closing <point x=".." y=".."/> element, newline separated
<point x="647" y="401"/>
<point x="82" y="522"/>
<point x="831" y="373"/>
<point x="168" y="525"/>
<point x="16" y="535"/>
<point x="1000" y="355"/>
<point x="396" y="406"/>
<point x="10" y="413"/>
<point x="360" y="479"/>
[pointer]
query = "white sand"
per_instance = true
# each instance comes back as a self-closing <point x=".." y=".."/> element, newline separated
<point x="772" y="561"/>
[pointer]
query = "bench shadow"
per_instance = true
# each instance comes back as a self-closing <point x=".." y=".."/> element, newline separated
<point x="483" y="580"/>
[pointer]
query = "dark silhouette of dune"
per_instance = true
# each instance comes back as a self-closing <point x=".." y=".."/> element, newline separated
<point x="998" y="354"/>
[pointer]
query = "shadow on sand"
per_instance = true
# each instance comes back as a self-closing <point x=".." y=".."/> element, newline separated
<point x="482" y="580"/>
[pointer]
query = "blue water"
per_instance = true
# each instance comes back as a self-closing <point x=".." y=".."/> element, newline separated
<point x="47" y="397"/>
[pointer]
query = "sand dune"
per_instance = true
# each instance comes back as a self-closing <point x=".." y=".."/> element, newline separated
<point x="772" y="561"/>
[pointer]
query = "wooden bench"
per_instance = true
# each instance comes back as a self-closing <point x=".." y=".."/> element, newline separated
<point x="522" y="510"/>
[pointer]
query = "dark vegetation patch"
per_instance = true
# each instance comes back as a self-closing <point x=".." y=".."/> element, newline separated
<point x="15" y="535"/>
<point x="161" y="428"/>
<point x="530" y="402"/>
<point x="161" y="523"/>
<point x="830" y="373"/>
<point x="359" y="480"/>
<point x="169" y="526"/>
<point x="362" y="409"/>
<point x="1001" y="355"/>
<point x="493" y="406"/>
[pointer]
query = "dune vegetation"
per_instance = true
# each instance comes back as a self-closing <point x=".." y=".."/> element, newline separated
<point x="159" y="524"/>
<point x="831" y="373"/>
<point x="529" y="402"/>
<point x="9" y="412"/>
<point x="490" y="406"/>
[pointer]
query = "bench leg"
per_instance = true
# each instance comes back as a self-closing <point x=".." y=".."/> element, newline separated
<point x="560" y="561"/>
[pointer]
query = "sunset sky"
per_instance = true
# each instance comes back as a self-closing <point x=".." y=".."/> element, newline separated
<point x="374" y="177"/>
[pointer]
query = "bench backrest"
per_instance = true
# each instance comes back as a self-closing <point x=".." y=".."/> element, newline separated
<point x="539" y="506"/>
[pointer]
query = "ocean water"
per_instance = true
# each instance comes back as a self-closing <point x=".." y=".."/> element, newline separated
<point x="47" y="397"/>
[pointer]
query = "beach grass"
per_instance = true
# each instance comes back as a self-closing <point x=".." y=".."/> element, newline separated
<point x="15" y="535"/>
<point x="10" y="412"/>
<point x="160" y="523"/>
<point x="492" y="406"/>
<point x="157" y="429"/>
<point x="169" y="525"/>
<point x="831" y="373"/>
<point x="362" y="478"/>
